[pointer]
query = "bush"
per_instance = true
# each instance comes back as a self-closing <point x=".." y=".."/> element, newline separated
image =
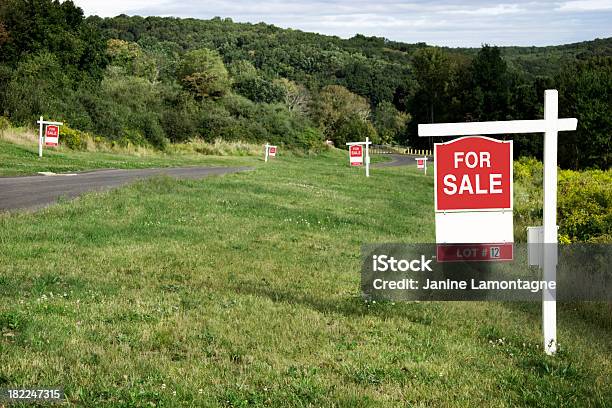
<point x="585" y="205"/>
<point x="129" y="137"/>
<point x="584" y="202"/>
<point x="152" y="131"/>
<point x="73" y="139"/>
<point x="354" y="129"/>
<point x="4" y="123"/>
<point x="310" y="139"/>
<point x="259" y="89"/>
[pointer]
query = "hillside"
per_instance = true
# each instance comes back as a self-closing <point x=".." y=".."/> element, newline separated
<point x="246" y="41"/>
<point x="156" y="81"/>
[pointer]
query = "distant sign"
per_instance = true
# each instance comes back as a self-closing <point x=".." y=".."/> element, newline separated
<point x="421" y="163"/>
<point x="356" y="154"/>
<point x="51" y="135"/>
<point x="473" y="191"/>
<point x="272" y="151"/>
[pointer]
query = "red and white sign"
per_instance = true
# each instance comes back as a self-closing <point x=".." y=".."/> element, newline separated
<point x="51" y="135"/>
<point x="420" y="163"/>
<point x="356" y="155"/>
<point x="473" y="191"/>
<point x="272" y="151"/>
<point x="473" y="173"/>
<point x="474" y="252"/>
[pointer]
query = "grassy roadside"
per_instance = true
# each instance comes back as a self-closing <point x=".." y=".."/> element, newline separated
<point x="16" y="159"/>
<point x="243" y="290"/>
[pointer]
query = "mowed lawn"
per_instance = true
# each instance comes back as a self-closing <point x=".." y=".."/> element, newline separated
<point x="243" y="290"/>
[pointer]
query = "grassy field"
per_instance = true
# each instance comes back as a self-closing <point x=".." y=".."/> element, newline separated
<point x="16" y="159"/>
<point x="243" y="290"/>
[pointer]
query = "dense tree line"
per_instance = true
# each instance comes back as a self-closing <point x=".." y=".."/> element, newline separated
<point x="158" y="80"/>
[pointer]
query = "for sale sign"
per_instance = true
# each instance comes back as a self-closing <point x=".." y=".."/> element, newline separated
<point x="473" y="191"/>
<point x="272" y="151"/>
<point x="420" y="163"/>
<point x="51" y="135"/>
<point x="473" y="173"/>
<point x="356" y="155"/>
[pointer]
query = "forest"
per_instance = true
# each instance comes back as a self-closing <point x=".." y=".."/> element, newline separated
<point x="154" y="81"/>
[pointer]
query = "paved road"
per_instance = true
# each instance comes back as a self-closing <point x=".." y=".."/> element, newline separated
<point x="39" y="191"/>
<point x="402" y="160"/>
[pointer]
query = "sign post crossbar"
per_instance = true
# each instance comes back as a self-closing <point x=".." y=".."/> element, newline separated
<point x="550" y="126"/>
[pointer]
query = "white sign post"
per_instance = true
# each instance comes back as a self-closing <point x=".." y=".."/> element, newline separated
<point x="367" y="143"/>
<point x="550" y="126"/>
<point x="422" y="163"/>
<point x="41" y="124"/>
<point x="270" y="151"/>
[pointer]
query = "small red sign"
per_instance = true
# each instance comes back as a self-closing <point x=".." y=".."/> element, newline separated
<point x="474" y="252"/>
<point x="473" y="173"/>
<point x="51" y="135"/>
<point x="356" y="153"/>
<point x="420" y="163"/>
<point x="272" y="151"/>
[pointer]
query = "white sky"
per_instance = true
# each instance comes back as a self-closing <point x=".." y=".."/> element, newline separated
<point x="447" y="22"/>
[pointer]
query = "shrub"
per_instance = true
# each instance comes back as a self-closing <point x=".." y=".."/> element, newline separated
<point x="203" y="73"/>
<point x="4" y="123"/>
<point x="310" y="139"/>
<point x="152" y="131"/>
<point x="73" y="139"/>
<point x="259" y="89"/>
<point x="352" y="129"/>
<point x="584" y="202"/>
<point x="130" y="137"/>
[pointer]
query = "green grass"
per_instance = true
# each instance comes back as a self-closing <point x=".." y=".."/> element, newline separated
<point x="243" y="290"/>
<point x="18" y="159"/>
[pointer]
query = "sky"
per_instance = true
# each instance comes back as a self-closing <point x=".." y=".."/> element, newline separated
<point x="450" y="23"/>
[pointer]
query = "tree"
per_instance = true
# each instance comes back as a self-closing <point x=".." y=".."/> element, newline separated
<point x="296" y="96"/>
<point x="35" y="87"/>
<point x="353" y="128"/>
<point x="35" y="26"/>
<point x="249" y="82"/>
<point x="132" y="58"/>
<point x="259" y="89"/>
<point x="585" y="92"/>
<point x="389" y="122"/>
<point x="4" y="34"/>
<point x="242" y="69"/>
<point x="490" y="82"/>
<point x="432" y="70"/>
<point x="337" y="109"/>
<point x="203" y="73"/>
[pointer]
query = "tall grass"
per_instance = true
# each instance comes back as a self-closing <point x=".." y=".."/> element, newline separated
<point x="219" y="147"/>
<point x="19" y="135"/>
<point x="74" y="140"/>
